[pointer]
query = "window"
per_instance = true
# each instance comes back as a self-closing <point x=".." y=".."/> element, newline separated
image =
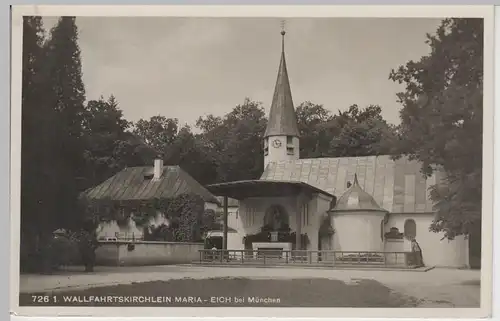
<point x="305" y="214"/>
<point x="250" y="216"/>
<point x="289" y="145"/>
<point x="410" y="229"/>
<point x="266" y="146"/>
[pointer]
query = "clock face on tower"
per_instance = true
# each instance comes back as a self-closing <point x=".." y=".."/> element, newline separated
<point x="276" y="143"/>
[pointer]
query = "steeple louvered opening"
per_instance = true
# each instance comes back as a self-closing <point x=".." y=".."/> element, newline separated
<point x="266" y="146"/>
<point x="290" y="148"/>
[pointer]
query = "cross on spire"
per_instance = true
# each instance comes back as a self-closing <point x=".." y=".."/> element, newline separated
<point x="282" y="120"/>
<point x="283" y="32"/>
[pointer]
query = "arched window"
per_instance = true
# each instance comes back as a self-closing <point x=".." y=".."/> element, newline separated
<point x="410" y="229"/>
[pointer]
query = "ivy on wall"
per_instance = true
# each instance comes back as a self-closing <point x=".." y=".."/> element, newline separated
<point x="185" y="212"/>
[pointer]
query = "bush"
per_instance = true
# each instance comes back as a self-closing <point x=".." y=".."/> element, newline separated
<point x="62" y="251"/>
<point x="49" y="255"/>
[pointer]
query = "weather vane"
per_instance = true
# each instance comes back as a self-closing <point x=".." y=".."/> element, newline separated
<point x="283" y="22"/>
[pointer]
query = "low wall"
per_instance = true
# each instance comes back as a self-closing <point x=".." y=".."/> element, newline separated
<point x="124" y="253"/>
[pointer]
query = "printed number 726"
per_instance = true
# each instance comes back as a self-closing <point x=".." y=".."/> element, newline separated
<point x="42" y="299"/>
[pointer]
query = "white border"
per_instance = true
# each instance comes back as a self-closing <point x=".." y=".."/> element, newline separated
<point x="484" y="11"/>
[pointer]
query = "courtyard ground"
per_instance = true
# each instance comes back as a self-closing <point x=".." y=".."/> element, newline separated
<point x="434" y="288"/>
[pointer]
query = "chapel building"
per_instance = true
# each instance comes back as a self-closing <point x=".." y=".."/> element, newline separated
<point x="370" y="204"/>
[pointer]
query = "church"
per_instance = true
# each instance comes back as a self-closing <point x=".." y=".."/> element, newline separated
<point x="370" y="204"/>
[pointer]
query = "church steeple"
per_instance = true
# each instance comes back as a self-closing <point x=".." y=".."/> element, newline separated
<point x="281" y="138"/>
<point x="282" y="118"/>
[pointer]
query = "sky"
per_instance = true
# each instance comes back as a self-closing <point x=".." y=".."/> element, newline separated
<point x="189" y="67"/>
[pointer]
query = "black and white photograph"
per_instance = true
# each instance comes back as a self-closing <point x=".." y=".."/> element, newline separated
<point x="256" y="161"/>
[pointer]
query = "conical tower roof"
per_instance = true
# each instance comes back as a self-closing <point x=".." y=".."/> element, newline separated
<point x="356" y="199"/>
<point x="282" y="118"/>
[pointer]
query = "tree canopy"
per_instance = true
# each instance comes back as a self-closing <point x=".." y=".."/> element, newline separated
<point x="442" y="118"/>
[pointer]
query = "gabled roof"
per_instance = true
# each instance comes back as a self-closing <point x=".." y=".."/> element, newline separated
<point x="356" y="199"/>
<point x="282" y="119"/>
<point x="397" y="186"/>
<point x="135" y="183"/>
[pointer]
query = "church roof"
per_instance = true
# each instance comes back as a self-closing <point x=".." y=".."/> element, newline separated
<point x="282" y="118"/>
<point x="355" y="198"/>
<point x="397" y="186"/>
<point x="135" y="183"/>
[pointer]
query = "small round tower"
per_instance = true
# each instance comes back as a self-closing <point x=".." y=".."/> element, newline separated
<point x="357" y="219"/>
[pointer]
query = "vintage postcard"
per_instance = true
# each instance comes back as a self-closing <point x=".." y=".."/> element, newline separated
<point x="231" y="160"/>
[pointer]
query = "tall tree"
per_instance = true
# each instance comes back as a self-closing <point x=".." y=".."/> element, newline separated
<point x="442" y="120"/>
<point x="66" y="95"/>
<point x="35" y="142"/>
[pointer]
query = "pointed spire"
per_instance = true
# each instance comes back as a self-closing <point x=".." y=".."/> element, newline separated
<point x="356" y="179"/>
<point x="282" y="118"/>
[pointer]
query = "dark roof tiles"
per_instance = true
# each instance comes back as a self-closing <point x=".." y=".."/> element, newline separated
<point x="135" y="183"/>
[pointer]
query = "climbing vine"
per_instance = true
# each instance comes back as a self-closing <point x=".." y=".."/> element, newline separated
<point x="185" y="213"/>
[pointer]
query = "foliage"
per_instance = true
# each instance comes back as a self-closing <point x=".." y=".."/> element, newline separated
<point x="441" y="120"/>
<point x="354" y="132"/>
<point x="361" y="132"/>
<point x="186" y="213"/>
<point x="177" y="146"/>
<point x="158" y="132"/>
<point x="87" y="243"/>
<point x="315" y="136"/>
<point x="210" y="221"/>
<point x="109" y="145"/>
<point x="66" y="95"/>
<point x="52" y="107"/>
<point x="37" y="200"/>
<point x="158" y="233"/>
<point x="235" y="141"/>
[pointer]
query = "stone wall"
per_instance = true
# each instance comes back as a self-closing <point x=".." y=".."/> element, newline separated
<point x="147" y="253"/>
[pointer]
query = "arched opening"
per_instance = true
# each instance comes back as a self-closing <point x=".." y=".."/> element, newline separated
<point x="410" y="229"/>
<point x="276" y="219"/>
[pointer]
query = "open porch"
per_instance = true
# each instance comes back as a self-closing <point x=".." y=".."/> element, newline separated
<point x="276" y="216"/>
